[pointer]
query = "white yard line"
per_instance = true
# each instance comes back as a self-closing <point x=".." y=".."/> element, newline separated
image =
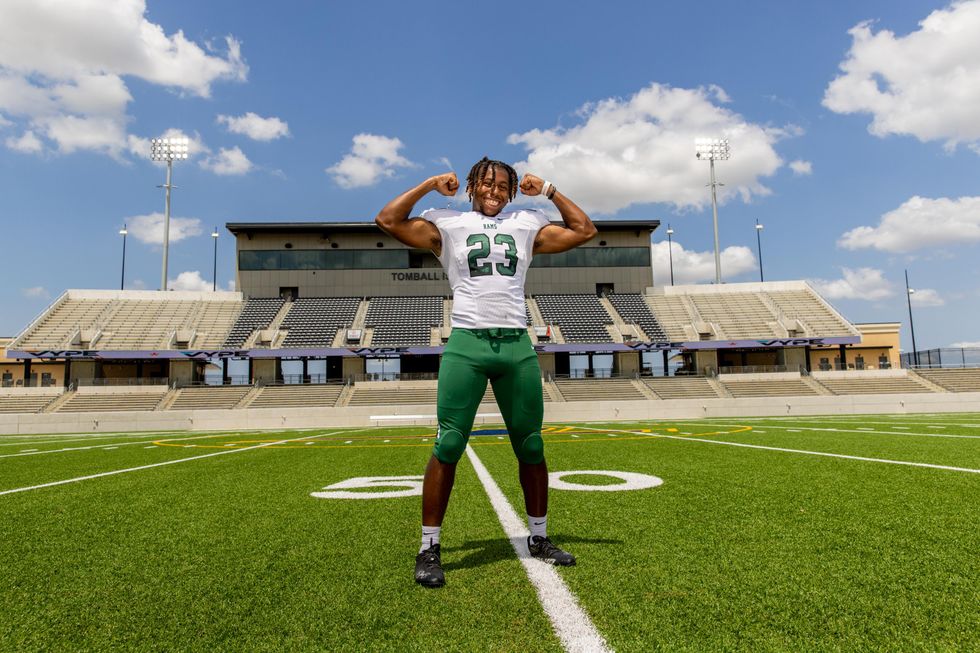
<point x="161" y="464"/>
<point x="113" y="445"/>
<point x="856" y="430"/>
<point x="570" y="622"/>
<point x="802" y="451"/>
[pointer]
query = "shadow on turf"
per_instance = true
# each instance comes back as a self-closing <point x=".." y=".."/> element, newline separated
<point x="485" y="552"/>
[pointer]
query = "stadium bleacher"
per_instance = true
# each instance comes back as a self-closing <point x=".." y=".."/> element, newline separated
<point x="112" y="402"/>
<point x="954" y="380"/>
<point x="403" y="321"/>
<point x="768" y="388"/>
<point x="877" y="386"/>
<point x="25" y="403"/>
<point x="299" y="396"/>
<point x="257" y="313"/>
<point x="209" y="397"/>
<point x="633" y="309"/>
<point x="681" y="387"/>
<point x="598" y="390"/>
<point x="582" y="318"/>
<point x="314" y="321"/>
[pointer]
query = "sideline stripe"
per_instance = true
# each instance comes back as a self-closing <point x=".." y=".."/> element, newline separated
<point x="113" y="445"/>
<point x="803" y="451"/>
<point x="570" y="622"/>
<point x="862" y="431"/>
<point x="142" y="467"/>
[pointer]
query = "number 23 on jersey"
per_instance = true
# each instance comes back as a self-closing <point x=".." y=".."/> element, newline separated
<point x="480" y="244"/>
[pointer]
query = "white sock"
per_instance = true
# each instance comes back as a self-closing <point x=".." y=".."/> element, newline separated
<point x="538" y="526"/>
<point x="430" y="536"/>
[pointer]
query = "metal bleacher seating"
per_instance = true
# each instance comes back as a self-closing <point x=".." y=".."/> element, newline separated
<point x="297" y="396"/>
<point x="680" y="387"/>
<point x="598" y="390"/>
<point x="954" y="380"/>
<point x="769" y="388"/>
<point x="257" y="313"/>
<point x="25" y="403"/>
<point x="582" y="318"/>
<point x="874" y="386"/>
<point x="403" y="321"/>
<point x="805" y="306"/>
<point x="313" y="321"/>
<point x="738" y="315"/>
<point x="633" y="309"/>
<point x="56" y="327"/>
<point x="204" y="397"/>
<point x="122" y="401"/>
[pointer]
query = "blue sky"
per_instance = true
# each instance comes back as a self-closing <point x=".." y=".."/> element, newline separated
<point x="853" y="126"/>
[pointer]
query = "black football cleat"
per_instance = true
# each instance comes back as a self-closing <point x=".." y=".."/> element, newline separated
<point x="543" y="549"/>
<point x="428" y="568"/>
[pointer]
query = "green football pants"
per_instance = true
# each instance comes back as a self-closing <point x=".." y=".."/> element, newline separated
<point x="506" y="358"/>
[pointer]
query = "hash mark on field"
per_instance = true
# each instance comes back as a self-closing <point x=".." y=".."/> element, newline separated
<point x="935" y="427"/>
<point x="500" y="437"/>
<point x="348" y="442"/>
<point x="309" y="443"/>
<point x="865" y="428"/>
<point x="152" y="446"/>
<point x="27" y="450"/>
<point x="387" y="441"/>
<point x="575" y="436"/>
<point x="110" y="448"/>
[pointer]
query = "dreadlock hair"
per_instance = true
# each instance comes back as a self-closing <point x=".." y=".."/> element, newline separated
<point x="479" y="171"/>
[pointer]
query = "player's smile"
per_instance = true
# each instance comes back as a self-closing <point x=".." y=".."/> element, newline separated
<point x="492" y="194"/>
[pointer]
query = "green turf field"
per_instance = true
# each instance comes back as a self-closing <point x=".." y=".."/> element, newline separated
<point x="776" y="534"/>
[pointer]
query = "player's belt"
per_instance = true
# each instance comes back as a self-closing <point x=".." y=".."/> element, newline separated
<point x="497" y="332"/>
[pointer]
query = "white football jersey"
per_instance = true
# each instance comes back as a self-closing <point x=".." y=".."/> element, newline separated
<point x="486" y="259"/>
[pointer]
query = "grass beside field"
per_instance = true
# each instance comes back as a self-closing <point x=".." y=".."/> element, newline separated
<point x="739" y="549"/>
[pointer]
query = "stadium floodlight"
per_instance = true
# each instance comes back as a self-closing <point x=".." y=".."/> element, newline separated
<point x="713" y="149"/>
<point x="908" y="295"/>
<point x="670" y="253"/>
<point x="122" y="278"/>
<point x="169" y="150"/>
<point x="214" y="237"/>
<point x="758" y="242"/>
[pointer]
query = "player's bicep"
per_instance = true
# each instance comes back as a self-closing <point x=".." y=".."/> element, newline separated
<point x="552" y="239"/>
<point x="417" y="232"/>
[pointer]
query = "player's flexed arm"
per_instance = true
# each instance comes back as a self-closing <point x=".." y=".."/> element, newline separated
<point x="416" y="232"/>
<point x="552" y="238"/>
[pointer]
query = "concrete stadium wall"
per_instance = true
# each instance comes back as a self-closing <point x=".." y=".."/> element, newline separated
<point x="584" y="411"/>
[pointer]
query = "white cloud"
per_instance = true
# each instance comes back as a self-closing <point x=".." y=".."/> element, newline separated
<point x="27" y="143"/>
<point x="695" y="267"/>
<point x="372" y="158"/>
<point x="228" y="162"/>
<point x="641" y="149"/>
<point x="926" y="297"/>
<point x="36" y="291"/>
<point x="63" y="64"/>
<point x="801" y="167"/>
<point x="967" y="345"/>
<point x="920" y="223"/>
<point x="255" y="127"/>
<point x="149" y="228"/>
<point x="925" y="84"/>
<point x="190" y="280"/>
<point x="860" y="283"/>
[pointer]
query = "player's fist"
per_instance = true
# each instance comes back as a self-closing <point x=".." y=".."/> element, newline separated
<point x="532" y="185"/>
<point x="447" y="184"/>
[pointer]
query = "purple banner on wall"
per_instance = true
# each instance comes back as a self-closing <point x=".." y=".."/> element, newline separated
<point x="389" y="352"/>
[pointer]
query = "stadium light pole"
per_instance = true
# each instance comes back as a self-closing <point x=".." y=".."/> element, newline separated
<point x="167" y="149"/>
<point x="214" y="237"/>
<point x="122" y="278"/>
<point x="713" y="149"/>
<point x="908" y="295"/>
<point x="758" y="241"/>
<point x="670" y="252"/>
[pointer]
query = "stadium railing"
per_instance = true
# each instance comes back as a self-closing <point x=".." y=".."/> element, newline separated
<point x="103" y="383"/>
<point x="946" y="357"/>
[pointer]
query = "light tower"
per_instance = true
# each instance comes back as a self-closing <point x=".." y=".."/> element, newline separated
<point x="713" y="149"/>
<point x="122" y="278"/>
<point x="670" y="253"/>
<point x="214" y="237"/>
<point x="758" y="241"/>
<point x="167" y="149"/>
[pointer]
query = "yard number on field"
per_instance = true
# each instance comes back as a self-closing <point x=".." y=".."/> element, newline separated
<point x="409" y="486"/>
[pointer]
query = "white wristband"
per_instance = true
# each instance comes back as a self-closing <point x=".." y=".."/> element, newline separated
<point x="546" y="187"/>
